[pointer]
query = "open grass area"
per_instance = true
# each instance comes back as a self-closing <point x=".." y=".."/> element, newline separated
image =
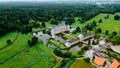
<point x="38" y="56"/>
<point x="19" y="45"/>
<point x="3" y="40"/>
<point x="96" y="18"/>
<point x="107" y="24"/>
<point x="56" y="43"/>
<point x="20" y="55"/>
<point x="110" y="24"/>
<point x="80" y="63"/>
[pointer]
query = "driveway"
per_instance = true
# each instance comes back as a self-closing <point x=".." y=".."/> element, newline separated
<point x="43" y="37"/>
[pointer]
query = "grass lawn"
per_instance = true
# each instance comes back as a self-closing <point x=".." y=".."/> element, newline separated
<point x="110" y="24"/>
<point x="81" y="64"/>
<point x="58" y="44"/>
<point x="19" y="44"/>
<point x="6" y="37"/>
<point x="38" y="56"/>
<point x="107" y="24"/>
<point x="96" y="18"/>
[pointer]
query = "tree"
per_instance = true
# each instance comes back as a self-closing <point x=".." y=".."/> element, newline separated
<point x="107" y="39"/>
<point x="43" y="24"/>
<point x="9" y="42"/>
<point x="67" y="55"/>
<point x="57" y="52"/>
<point x="98" y="30"/>
<point x="89" y="42"/>
<point x="106" y="32"/>
<point x="48" y="32"/>
<point x="114" y="33"/>
<point x="116" y="17"/>
<point x="94" y="23"/>
<point x="29" y="43"/>
<point x="87" y="59"/>
<point x="107" y="16"/>
<point x="86" y="47"/>
<point x="116" y="40"/>
<point x="26" y="29"/>
<point x="93" y="42"/>
<point x="100" y="21"/>
<point x="78" y="29"/>
<point x="74" y="32"/>
<point x="33" y="41"/>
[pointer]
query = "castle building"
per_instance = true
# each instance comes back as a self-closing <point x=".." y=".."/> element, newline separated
<point x="59" y="29"/>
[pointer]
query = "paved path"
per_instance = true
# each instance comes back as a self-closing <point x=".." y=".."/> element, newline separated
<point x="59" y="39"/>
<point x="114" y="48"/>
<point x="43" y="37"/>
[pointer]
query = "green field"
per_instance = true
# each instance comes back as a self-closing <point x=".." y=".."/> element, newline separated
<point x="110" y="24"/>
<point x="8" y="36"/>
<point x="56" y="43"/>
<point x="107" y="24"/>
<point x="20" y="55"/>
<point x="96" y="18"/>
<point x="81" y="64"/>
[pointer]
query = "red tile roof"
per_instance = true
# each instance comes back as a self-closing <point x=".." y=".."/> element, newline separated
<point x="115" y="64"/>
<point x="99" y="61"/>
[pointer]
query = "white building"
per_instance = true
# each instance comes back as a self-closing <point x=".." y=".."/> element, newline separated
<point x="77" y="40"/>
<point x="80" y="38"/>
<point x="59" y="29"/>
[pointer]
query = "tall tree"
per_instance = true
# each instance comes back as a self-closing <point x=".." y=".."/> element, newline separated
<point x="116" y="17"/>
<point x="106" y="32"/>
<point x="114" y="33"/>
<point x="78" y="29"/>
<point x="98" y="30"/>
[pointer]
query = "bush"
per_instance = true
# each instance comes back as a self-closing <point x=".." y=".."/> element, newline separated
<point x="87" y="60"/>
<point x="116" y="17"/>
<point x="33" y="41"/>
<point x="107" y="39"/>
<point x="114" y="34"/>
<point x="116" y="40"/>
<point x="86" y="47"/>
<point x="64" y="55"/>
<point x="9" y="42"/>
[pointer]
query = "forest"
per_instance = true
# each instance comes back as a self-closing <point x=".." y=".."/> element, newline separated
<point x="17" y="18"/>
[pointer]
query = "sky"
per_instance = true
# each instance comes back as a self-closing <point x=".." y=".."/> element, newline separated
<point x="52" y="0"/>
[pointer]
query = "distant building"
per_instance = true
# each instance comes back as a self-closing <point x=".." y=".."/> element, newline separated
<point x="59" y="29"/>
<point x="99" y="61"/>
<point x="115" y="64"/>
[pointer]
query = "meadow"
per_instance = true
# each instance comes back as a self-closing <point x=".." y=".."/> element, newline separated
<point x="20" y="55"/>
<point x="107" y="24"/>
<point x="80" y="63"/>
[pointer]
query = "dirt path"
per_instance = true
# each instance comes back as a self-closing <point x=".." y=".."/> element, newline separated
<point x="59" y="59"/>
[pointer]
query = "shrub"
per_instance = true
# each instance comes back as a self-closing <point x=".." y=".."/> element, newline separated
<point x="9" y="42"/>
<point x="87" y="59"/>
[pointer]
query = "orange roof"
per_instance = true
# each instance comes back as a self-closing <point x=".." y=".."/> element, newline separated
<point x="99" y="61"/>
<point x="115" y="64"/>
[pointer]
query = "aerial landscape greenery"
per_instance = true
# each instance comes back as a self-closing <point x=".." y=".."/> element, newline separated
<point x="59" y="35"/>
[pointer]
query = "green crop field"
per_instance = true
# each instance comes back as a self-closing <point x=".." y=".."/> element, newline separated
<point x="81" y="64"/>
<point x="20" y="55"/>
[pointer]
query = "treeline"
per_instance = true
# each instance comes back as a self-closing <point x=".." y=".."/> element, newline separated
<point x="18" y="18"/>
